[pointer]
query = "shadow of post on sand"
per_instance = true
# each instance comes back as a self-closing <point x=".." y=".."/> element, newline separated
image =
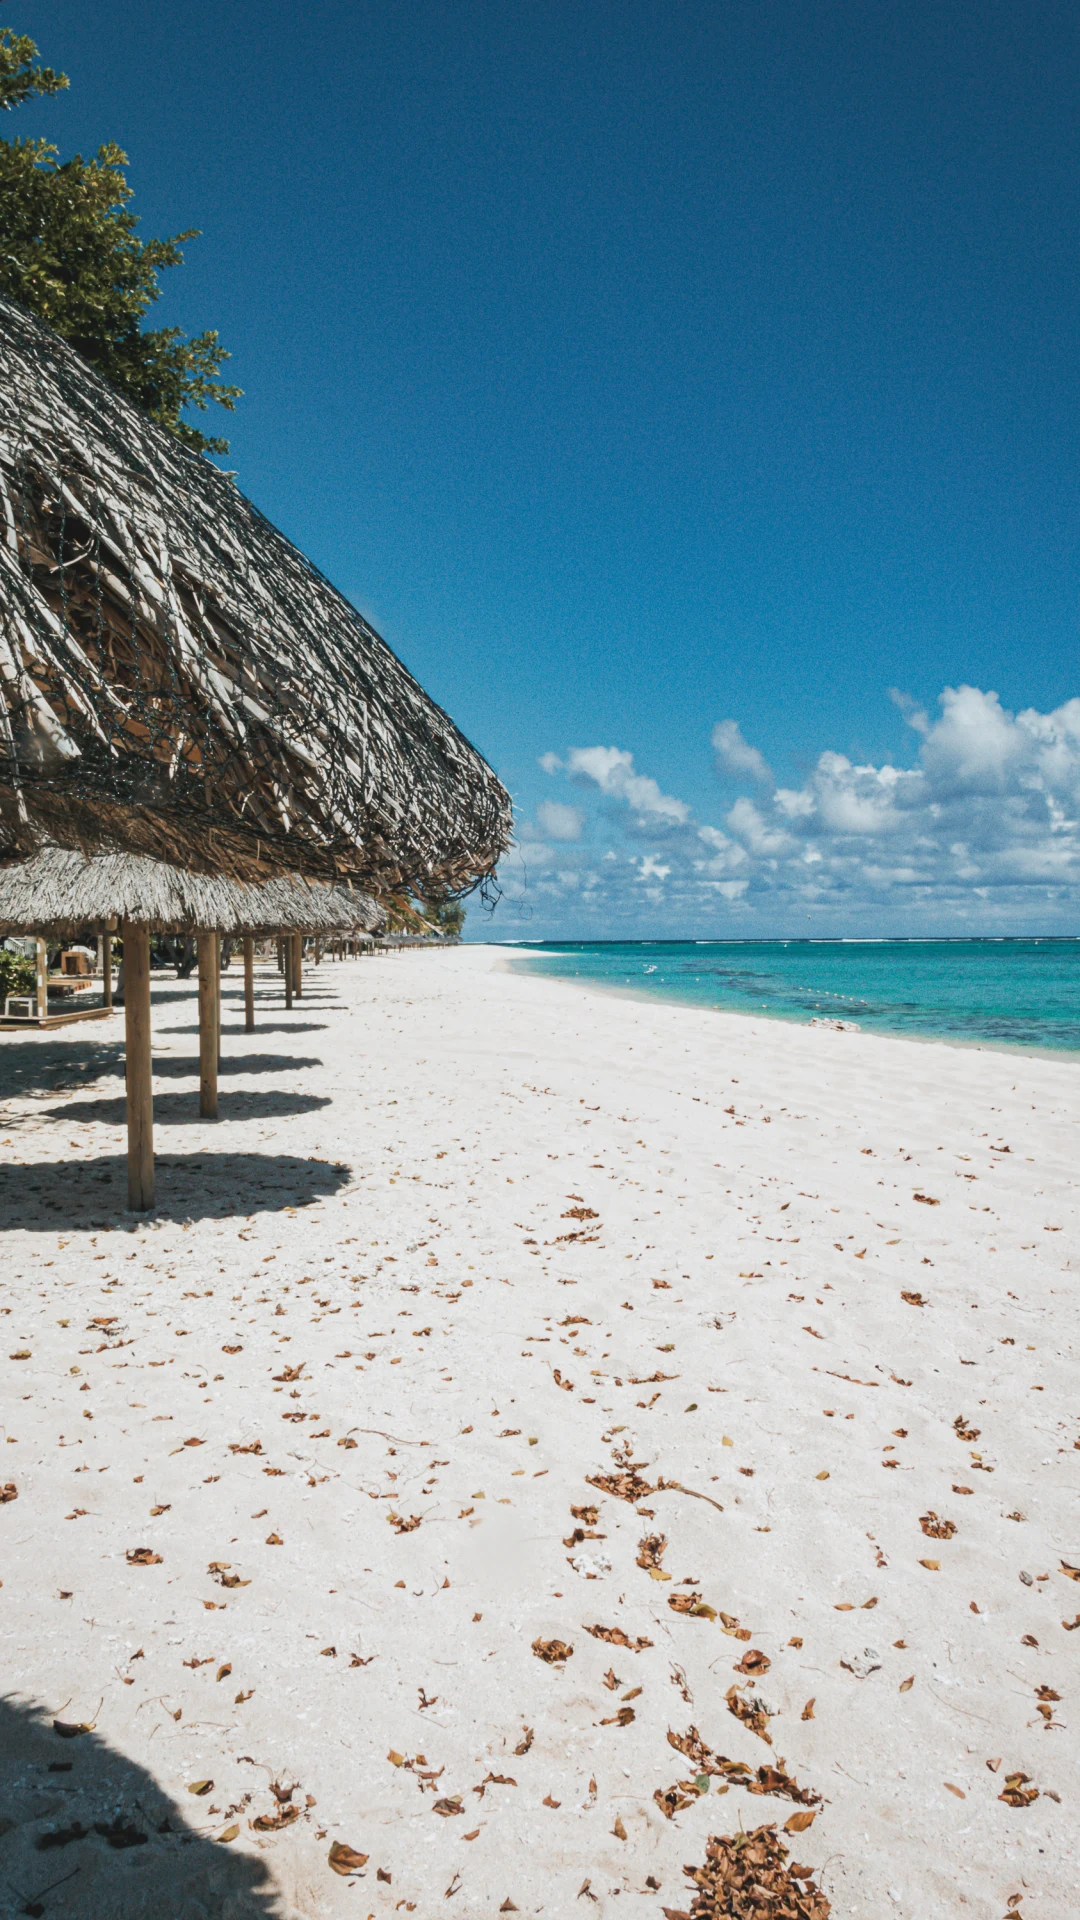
<point x="191" y="1186"/>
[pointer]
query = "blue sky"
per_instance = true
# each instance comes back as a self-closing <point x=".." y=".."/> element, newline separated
<point x="641" y="368"/>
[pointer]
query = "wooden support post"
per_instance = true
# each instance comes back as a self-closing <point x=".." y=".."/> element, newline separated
<point x="42" y="979"/>
<point x="298" y="965"/>
<point x="208" y="1026"/>
<point x="285" y="950"/>
<point x="217" y="993"/>
<point x="139" y="1067"/>
<point x="249" y="984"/>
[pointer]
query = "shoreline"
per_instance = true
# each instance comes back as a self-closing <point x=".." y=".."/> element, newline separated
<point x="644" y="996"/>
<point x="309" y="1465"/>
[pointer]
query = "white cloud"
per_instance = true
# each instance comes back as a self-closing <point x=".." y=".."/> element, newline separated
<point x="725" y="853"/>
<point x="613" y="772"/>
<point x="550" y="763"/>
<point x="980" y="833"/>
<point x="975" y="745"/>
<point x="559" y="822"/>
<point x="736" y="755"/>
<point x="745" y="820"/>
<point x="915" y="716"/>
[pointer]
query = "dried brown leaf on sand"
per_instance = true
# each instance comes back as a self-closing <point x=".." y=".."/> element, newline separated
<point x="799" y="1822"/>
<point x="768" y="1779"/>
<point x="143" y="1557"/>
<point x="749" y="1873"/>
<point x="587" y="1515"/>
<point x="402" y="1525"/>
<point x="752" y="1712"/>
<point x="935" y="1528"/>
<point x="1018" y="1791"/>
<point x="650" y="1551"/>
<point x="345" y="1859"/>
<point x="615" y="1637"/>
<point x="672" y="1800"/>
<point x="692" y="1604"/>
<point x="753" y="1662"/>
<point x="553" y="1652"/>
<point x="625" y="1485"/>
<point x="730" y="1625"/>
<point x="525" y="1742"/>
<point x="273" y="1822"/>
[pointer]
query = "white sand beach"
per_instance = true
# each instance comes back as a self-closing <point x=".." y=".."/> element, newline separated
<point x="305" y="1466"/>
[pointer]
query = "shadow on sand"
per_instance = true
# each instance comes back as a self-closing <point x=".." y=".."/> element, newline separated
<point x="262" y="1026"/>
<point x="40" y="1068"/>
<point x="49" y="1066"/>
<point x="88" y="1835"/>
<point x="197" y="1186"/>
<point x="181" y="1066"/>
<point x="181" y="1109"/>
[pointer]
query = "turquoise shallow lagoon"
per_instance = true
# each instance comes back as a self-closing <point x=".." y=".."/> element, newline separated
<point x="1017" y="993"/>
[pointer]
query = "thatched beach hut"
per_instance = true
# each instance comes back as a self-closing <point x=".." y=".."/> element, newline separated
<point x="63" y="893"/>
<point x="177" y="681"/>
<point x="60" y="892"/>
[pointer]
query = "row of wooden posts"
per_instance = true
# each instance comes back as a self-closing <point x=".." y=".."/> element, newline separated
<point x="138" y="1039"/>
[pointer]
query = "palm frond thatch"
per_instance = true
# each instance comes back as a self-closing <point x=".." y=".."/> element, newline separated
<point x="176" y="679"/>
<point x="59" y="891"/>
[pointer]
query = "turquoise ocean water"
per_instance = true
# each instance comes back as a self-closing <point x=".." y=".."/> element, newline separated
<point x="1018" y="993"/>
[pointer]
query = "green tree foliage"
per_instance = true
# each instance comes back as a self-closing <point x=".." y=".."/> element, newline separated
<point x="422" y="915"/>
<point x="69" y="252"/>
<point x="19" y="78"/>
<point x="17" y="974"/>
<point x="447" y="915"/>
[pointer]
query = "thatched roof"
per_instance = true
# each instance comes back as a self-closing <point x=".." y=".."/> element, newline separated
<point x="58" y="891"/>
<point x="180" y="681"/>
